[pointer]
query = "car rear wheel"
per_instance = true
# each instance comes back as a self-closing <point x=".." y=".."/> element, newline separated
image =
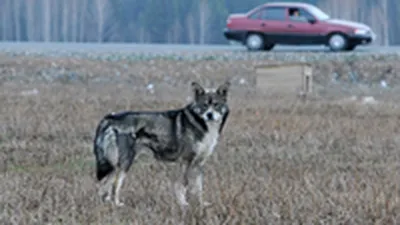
<point x="337" y="42"/>
<point x="268" y="46"/>
<point x="255" y="42"/>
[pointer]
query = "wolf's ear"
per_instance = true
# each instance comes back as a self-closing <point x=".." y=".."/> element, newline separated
<point x="223" y="89"/>
<point x="197" y="89"/>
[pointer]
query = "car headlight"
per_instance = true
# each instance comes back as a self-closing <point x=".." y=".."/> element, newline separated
<point x="361" y="31"/>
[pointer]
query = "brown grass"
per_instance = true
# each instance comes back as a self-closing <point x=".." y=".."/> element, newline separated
<point x="279" y="161"/>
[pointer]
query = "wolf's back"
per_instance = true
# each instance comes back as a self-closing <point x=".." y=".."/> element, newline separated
<point x="101" y="147"/>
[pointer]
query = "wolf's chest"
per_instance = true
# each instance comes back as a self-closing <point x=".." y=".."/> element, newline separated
<point x="206" y="145"/>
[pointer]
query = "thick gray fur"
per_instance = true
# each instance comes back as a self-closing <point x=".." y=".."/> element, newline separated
<point x="187" y="135"/>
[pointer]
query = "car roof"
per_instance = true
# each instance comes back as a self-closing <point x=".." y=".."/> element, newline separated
<point x="281" y="4"/>
<point x="288" y="4"/>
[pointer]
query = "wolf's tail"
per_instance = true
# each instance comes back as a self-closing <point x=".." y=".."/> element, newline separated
<point x="101" y="145"/>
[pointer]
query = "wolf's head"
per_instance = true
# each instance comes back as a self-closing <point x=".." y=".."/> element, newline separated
<point x="210" y="104"/>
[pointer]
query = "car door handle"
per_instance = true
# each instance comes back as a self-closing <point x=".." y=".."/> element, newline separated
<point x="263" y="24"/>
<point x="290" y="26"/>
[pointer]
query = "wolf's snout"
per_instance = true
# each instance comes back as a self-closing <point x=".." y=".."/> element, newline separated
<point x="209" y="116"/>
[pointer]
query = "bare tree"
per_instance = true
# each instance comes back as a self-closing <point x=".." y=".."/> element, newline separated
<point x="176" y="31"/>
<point x="384" y="19"/>
<point x="65" y="21"/>
<point x="203" y="20"/>
<point x="55" y="20"/>
<point x="103" y="18"/>
<point x="17" y="19"/>
<point x="47" y="20"/>
<point x="74" y="20"/>
<point x="345" y="8"/>
<point x="393" y="11"/>
<point x="82" y="20"/>
<point x="142" y="34"/>
<point x="191" y="30"/>
<point x="5" y="22"/>
<point x="30" y="20"/>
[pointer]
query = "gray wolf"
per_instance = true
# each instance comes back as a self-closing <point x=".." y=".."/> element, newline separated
<point x="186" y="136"/>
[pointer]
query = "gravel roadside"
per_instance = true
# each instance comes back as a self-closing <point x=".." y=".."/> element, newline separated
<point x="353" y="73"/>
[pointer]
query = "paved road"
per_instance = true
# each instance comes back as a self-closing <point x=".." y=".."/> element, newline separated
<point x="161" y="48"/>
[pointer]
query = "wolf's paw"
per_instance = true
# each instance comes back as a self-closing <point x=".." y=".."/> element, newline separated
<point x="105" y="197"/>
<point x="119" y="203"/>
<point x="206" y="204"/>
<point x="183" y="203"/>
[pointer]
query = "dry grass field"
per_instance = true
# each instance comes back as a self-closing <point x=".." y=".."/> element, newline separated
<point x="279" y="161"/>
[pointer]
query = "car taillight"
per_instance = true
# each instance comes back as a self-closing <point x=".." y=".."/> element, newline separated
<point x="228" y="21"/>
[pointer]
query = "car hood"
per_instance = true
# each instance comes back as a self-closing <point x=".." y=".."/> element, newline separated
<point x="347" y="23"/>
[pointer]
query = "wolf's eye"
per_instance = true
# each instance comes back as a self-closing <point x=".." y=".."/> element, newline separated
<point x="223" y="109"/>
<point x="197" y="110"/>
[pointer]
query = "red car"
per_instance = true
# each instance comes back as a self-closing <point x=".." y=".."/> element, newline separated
<point x="295" y="24"/>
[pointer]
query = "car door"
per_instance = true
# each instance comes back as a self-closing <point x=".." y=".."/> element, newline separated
<point x="272" y="23"/>
<point x="303" y="28"/>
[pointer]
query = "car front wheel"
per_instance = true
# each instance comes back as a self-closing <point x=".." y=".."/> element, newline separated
<point x="268" y="47"/>
<point x="255" y="42"/>
<point x="350" y="47"/>
<point x="337" y="42"/>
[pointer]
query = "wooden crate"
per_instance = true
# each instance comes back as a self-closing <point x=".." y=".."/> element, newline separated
<point x="285" y="78"/>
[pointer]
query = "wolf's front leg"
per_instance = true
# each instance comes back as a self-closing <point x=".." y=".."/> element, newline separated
<point x="195" y="178"/>
<point x="180" y="193"/>
<point x="198" y="189"/>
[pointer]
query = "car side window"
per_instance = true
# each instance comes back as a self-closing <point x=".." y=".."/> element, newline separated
<point x="273" y="13"/>
<point x="255" y="15"/>
<point x="299" y="15"/>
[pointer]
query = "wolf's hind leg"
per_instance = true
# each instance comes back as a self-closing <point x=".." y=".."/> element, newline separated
<point x="127" y="152"/>
<point x="179" y="186"/>
<point x="106" y="189"/>
<point x="180" y="189"/>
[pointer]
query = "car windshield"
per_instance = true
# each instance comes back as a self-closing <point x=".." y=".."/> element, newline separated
<point x="319" y="14"/>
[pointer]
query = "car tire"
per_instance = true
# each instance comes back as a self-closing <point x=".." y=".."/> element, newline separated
<point x="268" y="46"/>
<point x="255" y="42"/>
<point x="350" y="47"/>
<point x="337" y="42"/>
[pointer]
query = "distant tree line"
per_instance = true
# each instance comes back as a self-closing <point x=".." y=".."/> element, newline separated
<point x="163" y="21"/>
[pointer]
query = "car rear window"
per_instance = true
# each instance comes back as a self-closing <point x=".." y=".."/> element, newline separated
<point x="256" y="15"/>
<point x="273" y="13"/>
